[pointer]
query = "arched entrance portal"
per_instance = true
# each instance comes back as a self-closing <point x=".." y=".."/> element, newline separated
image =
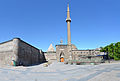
<point x="61" y="57"/>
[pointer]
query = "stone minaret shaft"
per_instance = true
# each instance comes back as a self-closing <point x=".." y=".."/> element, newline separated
<point x="68" y="20"/>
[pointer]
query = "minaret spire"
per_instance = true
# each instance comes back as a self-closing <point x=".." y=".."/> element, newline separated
<point x="68" y="14"/>
<point x="68" y="20"/>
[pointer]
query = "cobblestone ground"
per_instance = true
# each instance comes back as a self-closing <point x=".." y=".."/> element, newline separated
<point x="62" y="72"/>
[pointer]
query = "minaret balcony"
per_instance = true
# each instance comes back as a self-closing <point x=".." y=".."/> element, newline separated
<point x="68" y="19"/>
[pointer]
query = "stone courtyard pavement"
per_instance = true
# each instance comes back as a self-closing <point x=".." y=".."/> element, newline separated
<point x="61" y="72"/>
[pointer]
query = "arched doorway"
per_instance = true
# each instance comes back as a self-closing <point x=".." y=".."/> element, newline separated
<point x="61" y="57"/>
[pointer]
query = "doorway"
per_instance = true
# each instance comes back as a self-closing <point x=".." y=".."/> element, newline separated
<point x="61" y="57"/>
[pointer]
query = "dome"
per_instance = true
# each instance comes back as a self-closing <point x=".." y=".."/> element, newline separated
<point x="74" y="47"/>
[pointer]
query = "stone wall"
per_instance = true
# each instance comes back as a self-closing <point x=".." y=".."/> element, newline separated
<point x="6" y="52"/>
<point x="70" y="52"/>
<point x="79" y="53"/>
<point x="97" y="59"/>
<point x="87" y="52"/>
<point x="63" y="49"/>
<point x="42" y="57"/>
<point x="50" y="56"/>
<point x="27" y="54"/>
<point x="21" y="52"/>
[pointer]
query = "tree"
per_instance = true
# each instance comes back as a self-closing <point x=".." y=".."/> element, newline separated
<point x="117" y="51"/>
<point x="113" y="50"/>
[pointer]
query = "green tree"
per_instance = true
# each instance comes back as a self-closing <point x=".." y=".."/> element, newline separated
<point x="113" y="50"/>
<point x="117" y="51"/>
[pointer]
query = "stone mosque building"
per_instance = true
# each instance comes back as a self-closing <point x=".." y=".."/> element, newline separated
<point x="66" y="52"/>
<point x="18" y="52"/>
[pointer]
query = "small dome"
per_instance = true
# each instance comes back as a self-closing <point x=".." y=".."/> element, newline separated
<point x="74" y="47"/>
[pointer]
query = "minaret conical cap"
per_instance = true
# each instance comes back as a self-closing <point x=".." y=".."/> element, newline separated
<point x="68" y="14"/>
<point x="68" y="8"/>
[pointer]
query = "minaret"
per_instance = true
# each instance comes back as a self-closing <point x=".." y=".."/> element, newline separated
<point x="68" y="20"/>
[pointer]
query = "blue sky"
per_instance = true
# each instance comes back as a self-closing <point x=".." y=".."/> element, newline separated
<point x="95" y="23"/>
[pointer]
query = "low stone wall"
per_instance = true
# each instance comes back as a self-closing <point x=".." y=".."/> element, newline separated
<point x="50" y="56"/>
<point x="91" y="59"/>
<point x="88" y="60"/>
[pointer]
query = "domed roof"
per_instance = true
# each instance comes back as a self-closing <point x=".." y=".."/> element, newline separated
<point x="74" y="47"/>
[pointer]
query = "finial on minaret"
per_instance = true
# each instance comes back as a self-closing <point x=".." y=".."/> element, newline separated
<point x="61" y="41"/>
<point x="68" y="20"/>
<point x="68" y="7"/>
